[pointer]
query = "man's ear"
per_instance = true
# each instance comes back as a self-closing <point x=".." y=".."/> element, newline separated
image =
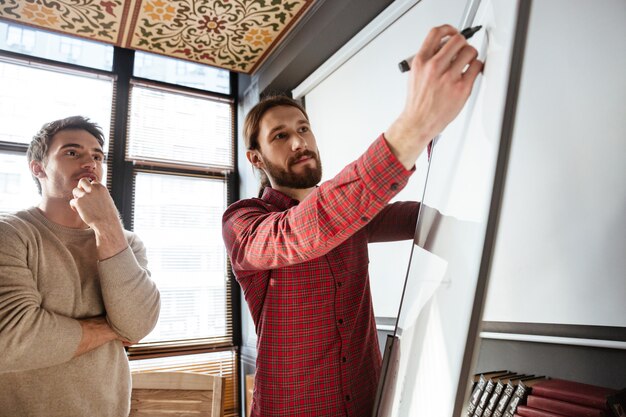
<point x="255" y="158"/>
<point x="36" y="168"/>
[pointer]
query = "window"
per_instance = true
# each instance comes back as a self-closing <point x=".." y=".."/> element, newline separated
<point x="189" y="265"/>
<point x="71" y="49"/>
<point x="21" y="39"/>
<point x="36" y="94"/>
<point x="176" y="71"/>
<point x="181" y="146"/>
<point x="173" y="127"/>
<point x="180" y="151"/>
<point x="17" y="187"/>
<point x="32" y="95"/>
<point x="49" y="45"/>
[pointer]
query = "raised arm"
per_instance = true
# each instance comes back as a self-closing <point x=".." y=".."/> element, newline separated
<point x="440" y="82"/>
<point x="257" y="239"/>
<point x="131" y="299"/>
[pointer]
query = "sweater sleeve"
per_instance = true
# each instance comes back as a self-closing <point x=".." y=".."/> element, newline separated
<point x="131" y="298"/>
<point x="258" y="240"/>
<point x="30" y="336"/>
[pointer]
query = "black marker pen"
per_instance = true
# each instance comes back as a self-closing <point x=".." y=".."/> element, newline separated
<point x="467" y="33"/>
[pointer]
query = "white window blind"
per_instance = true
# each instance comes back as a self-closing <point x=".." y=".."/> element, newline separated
<point x="17" y="187"/>
<point x="31" y="96"/>
<point x="179" y="220"/>
<point x="179" y="128"/>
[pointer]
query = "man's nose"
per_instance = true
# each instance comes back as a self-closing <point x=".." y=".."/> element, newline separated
<point x="298" y="142"/>
<point x="88" y="162"/>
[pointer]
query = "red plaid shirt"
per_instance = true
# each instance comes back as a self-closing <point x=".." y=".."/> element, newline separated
<point x="303" y="267"/>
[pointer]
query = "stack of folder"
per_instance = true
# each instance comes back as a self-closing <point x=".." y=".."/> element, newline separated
<point x="508" y="394"/>
<point x="559" y="398"/>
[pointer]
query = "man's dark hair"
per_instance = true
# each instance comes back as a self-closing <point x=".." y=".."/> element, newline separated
<point x="38" y="148"/>
<point x="252" y="125"/>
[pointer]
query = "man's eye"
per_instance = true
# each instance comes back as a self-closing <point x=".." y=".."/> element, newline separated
<point x="281" y="135"/>
<point x="98" y="158"/>
<point x="304" y="129"/>
<point x="72" y="153"/>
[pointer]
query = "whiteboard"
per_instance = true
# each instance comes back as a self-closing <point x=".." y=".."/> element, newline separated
<point x="442" y="294"/>
<point x="560" y="253"/>
<point x="364" y="96"/>
<point x="434" y="327"/>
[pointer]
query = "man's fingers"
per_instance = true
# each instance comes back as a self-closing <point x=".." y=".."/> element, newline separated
<point x="475" y="67"/>
<point x="433" y="40"/>
<point x="78" y="192"/>
<point x="85" y="184"/>
<point x="449" y="52"/>
<point x="73" y="205"/>
<point x="463" y="58"/>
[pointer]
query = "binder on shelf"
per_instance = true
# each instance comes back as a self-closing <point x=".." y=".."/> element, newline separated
<point x="526" y="411"/>
<point x="575" y="392"/>
<point x="563" y="407"/>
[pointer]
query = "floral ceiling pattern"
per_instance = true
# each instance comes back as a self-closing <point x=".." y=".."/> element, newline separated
<point x="237" y="35"/>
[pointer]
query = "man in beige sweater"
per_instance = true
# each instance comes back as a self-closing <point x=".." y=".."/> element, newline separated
<point x="74" y="288"/>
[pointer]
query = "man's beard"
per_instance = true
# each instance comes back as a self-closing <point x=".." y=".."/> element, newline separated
<point x="286" y="178"/>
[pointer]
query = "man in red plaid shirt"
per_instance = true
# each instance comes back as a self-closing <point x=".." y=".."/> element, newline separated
<point x="300" y="251"/>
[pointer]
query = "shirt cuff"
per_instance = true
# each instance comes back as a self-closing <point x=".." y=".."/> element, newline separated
<point x="381" y="171"/>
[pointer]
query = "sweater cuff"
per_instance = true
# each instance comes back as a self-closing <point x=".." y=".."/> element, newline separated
<point x="379" y="168"/>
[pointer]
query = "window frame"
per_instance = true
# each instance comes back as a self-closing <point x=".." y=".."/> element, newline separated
<point x="123" y="182"/>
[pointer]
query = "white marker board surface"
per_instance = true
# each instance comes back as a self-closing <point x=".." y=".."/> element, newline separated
<point x="560" y="253"/>
<point x="443" y="278"/>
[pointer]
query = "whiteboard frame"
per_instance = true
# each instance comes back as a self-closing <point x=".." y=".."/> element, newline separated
<point x="506" y="135"/>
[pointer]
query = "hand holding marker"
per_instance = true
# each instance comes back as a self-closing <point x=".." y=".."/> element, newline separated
<point x="467" y="33"/>
<point x="406" y="66"/>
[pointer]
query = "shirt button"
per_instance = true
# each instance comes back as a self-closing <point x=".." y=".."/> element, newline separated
<point x="339" y="284"/>
<point x="347" y="398"/>
<point x="394" y="186"/>
<point x="340" y="321"/>
<point x="344" y="359"/>
<point x="364" y="219"/>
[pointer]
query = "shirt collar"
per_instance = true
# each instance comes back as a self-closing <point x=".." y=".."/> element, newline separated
<point x="278" y="199"/>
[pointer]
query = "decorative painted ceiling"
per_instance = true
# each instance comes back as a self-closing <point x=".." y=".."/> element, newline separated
<point x="237" y="35"/>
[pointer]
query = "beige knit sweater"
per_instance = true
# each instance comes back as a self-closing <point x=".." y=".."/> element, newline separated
<point x="49" y="277"/>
